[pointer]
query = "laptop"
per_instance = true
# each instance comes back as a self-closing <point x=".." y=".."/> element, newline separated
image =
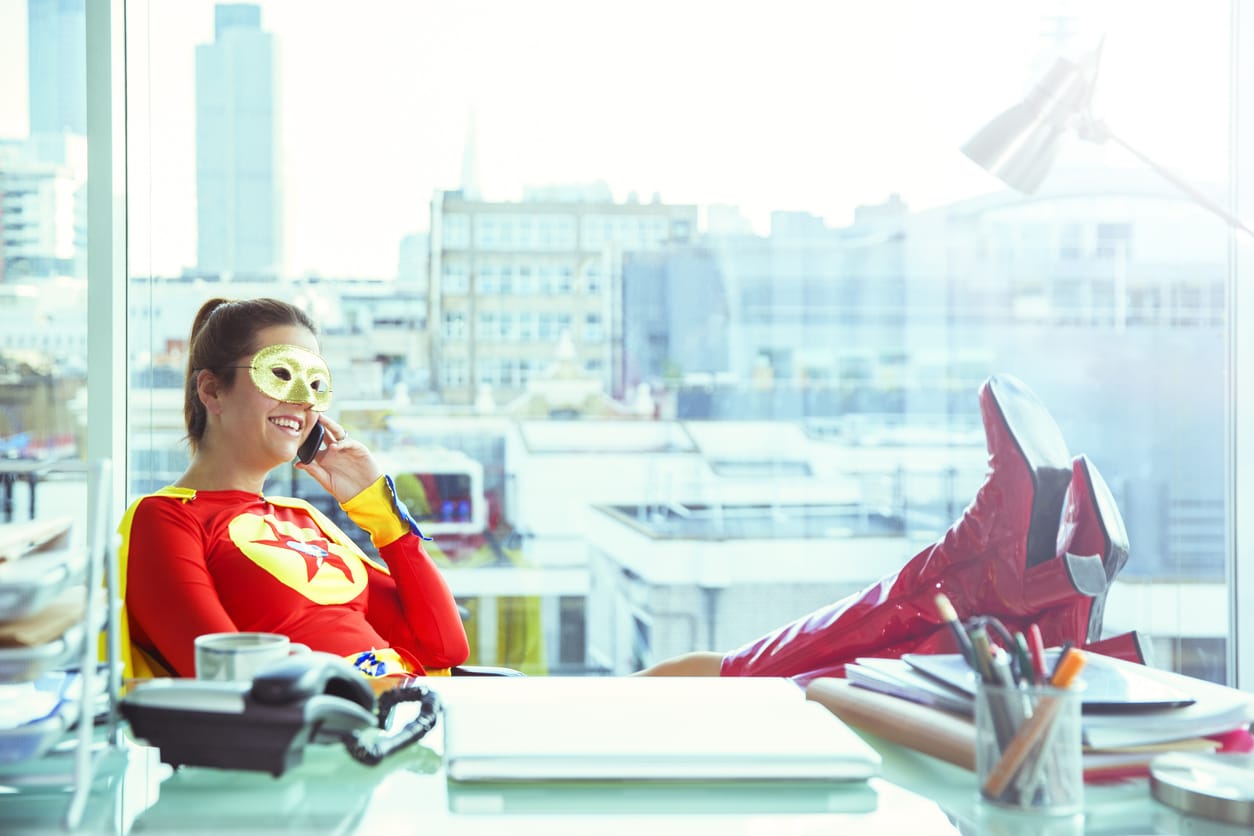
<point x="644" y="729"/>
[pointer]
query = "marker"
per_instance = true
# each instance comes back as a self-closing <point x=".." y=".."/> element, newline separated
<point x="1068" y="668"/>
<point x="950" y="616"/>
<point x="1062" y="654"/>
<point x="1036" y="647"/>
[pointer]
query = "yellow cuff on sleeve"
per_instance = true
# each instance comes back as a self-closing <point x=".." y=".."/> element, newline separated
<point x="378" y="510"/>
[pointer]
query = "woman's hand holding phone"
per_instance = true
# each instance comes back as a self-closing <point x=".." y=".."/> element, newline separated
<point x="344" y="467"/>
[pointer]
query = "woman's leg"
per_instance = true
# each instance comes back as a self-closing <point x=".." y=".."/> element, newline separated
<point x="698" y="663"/>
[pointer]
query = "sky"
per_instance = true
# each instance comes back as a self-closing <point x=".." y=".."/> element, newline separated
<point x="805" y="105"/>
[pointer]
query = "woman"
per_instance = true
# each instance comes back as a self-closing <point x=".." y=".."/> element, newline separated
<point x="212" y="553"/>
<point x="1039" y="544"/>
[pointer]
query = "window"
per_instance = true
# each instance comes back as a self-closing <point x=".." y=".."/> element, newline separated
<point x="592" y="328"/>
<point x="486" y="283"/>
<point x="748" y="293"/>
<point x="456" y="278"/>
<point x="43" y="259"/>
<point x="526" y="326"/>
<point x="592" y="279"/>
<point x="526" y="279"/>
<point x="485" y="329"/>
<point x="1113" y="240"/>
<point x="456" y="231"/>
<point x="454" y="325"/>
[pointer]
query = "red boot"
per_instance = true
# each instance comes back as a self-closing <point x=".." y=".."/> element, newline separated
<point x="981" y="563"/>
<point x="1066" y="597"/>
<point x="1093" y="547"/>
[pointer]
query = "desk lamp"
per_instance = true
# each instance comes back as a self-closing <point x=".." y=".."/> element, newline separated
<point x="1020" y="144"/>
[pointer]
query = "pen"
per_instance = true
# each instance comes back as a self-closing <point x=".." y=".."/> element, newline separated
<point x="982" y="650"/>
<point x="1034" y="729"/>
<point x="1013" y="705"/>
<point x="1036" y="646"/>
<point x="950" y="616"/>
<point x="1003" y="671"/>
<point x="998" y="709"/>
<point x="998" y="629"/>
<point x="1023" y="660"/>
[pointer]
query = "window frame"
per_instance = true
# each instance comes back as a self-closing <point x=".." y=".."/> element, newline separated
<point x="108" y="290"/>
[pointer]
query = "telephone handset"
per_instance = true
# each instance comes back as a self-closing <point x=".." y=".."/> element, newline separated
<point x="265" y="724"/>
<point x="309" y="447"/>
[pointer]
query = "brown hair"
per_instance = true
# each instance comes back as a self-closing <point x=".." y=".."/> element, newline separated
<point x="223" y="331"/>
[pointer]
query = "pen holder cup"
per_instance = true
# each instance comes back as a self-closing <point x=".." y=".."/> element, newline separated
<point x="1028" y="748"/>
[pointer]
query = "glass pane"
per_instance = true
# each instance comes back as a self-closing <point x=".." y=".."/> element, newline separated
<point x="672" y="333"/>
<point x="43" y="262"/>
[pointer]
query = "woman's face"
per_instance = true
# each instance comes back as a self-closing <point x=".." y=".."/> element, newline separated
<point x="261" y="425"/>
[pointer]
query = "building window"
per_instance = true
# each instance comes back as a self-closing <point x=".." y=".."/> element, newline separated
<point x="454" y="325"/>
<point x="592" y="331"/>
<point x="1113" y="240"/>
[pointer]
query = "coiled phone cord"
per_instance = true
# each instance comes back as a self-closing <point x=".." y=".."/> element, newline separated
<point x="369" y="747"/>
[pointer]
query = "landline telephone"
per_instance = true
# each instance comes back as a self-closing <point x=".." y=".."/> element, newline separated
<point x="265" y="724"/>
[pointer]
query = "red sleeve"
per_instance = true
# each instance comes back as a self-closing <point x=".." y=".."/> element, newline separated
<point x="414" y="608"/>
<point x="170" y="596"/>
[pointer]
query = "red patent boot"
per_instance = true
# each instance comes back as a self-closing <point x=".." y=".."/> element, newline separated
<point x="1093" y="547"/>
<point x="980" y="564"/>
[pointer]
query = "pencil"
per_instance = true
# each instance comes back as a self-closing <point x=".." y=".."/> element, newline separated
<point x="950" y="616"/>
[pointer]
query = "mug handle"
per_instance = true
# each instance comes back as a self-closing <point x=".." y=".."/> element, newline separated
<point x="297" y="649"/>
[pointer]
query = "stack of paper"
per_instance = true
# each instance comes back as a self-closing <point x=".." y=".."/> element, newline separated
<point x="1124" y="704"/>
<point x="1130" y="712"/>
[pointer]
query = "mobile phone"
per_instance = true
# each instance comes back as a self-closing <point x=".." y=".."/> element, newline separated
<point x="309" y="447"/>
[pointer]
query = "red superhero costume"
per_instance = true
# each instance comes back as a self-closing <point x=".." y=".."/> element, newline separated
<point x="215" y="561"/>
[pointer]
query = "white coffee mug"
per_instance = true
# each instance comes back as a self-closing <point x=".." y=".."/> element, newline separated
<point x="238" y="656"/>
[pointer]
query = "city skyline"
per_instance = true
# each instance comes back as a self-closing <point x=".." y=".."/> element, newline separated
<point x="556" y="100"/>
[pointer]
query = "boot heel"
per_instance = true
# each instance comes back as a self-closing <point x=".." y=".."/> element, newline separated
<point x="1093" y="525"/>
<point x="1037" y="439"/>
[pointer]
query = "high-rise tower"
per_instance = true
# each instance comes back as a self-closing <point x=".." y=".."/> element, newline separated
<point x="57" y="66"/>
<point x="239" y="207"/>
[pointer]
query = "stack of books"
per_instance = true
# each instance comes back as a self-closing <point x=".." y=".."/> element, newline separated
<point x="1130" y="712"/>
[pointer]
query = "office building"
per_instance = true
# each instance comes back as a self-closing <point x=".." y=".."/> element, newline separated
<point x="43" y="178"/>
<point x="239" y="205"/>
<point x="43" y="207"/>
<point x="509" y="279"/>
<point x="56" y="62"/>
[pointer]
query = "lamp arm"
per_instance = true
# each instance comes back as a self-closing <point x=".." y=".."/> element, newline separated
<point x="1096" y="131"/>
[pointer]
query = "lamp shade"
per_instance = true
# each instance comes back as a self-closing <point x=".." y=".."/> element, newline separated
<point x="1020" y="144"/>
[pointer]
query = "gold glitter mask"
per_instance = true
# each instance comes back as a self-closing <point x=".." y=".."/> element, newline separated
<point x="292" y="374"/>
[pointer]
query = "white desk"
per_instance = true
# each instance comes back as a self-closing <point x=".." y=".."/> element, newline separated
<point x="409" y="793"/>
